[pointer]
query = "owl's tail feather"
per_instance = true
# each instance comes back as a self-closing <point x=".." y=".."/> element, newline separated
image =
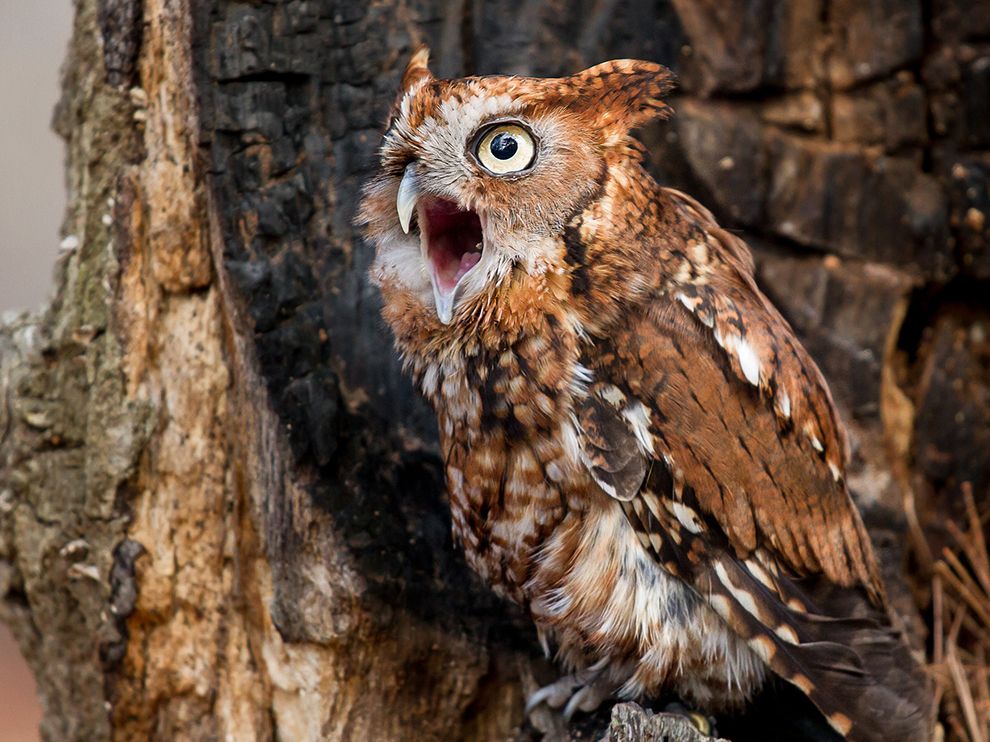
<point x="835" y="646"/>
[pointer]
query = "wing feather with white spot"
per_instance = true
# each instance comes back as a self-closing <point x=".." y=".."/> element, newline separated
<point x="721" y="294"/>
<point x="613" y="443"/>
<point x="856" y="669"/>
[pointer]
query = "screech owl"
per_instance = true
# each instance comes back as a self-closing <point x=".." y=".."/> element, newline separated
<point x="637" y="449"/>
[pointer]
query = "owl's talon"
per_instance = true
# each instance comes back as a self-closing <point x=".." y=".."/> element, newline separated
<point x="586" y="699"/>
<point x="580" y="691"/>
<point x="554" y="695"/>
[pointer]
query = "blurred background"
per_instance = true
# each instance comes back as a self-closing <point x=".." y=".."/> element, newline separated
<point x="33" y="38"/>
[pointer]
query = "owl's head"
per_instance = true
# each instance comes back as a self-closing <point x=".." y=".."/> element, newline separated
<point x="480" y="176"/>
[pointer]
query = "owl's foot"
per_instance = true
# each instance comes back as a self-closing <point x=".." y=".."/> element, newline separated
<point x="581" y="691"/>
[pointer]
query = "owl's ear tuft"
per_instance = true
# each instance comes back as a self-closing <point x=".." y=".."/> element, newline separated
<point x="622" y="94"/>
<point x="416" y="75"/>
<point x="418" y="70"/>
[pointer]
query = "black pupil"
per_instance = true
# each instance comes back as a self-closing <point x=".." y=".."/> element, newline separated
<point x="504" y="146"/>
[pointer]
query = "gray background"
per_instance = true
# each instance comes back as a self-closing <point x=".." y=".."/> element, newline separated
<point x="33" y="38"/>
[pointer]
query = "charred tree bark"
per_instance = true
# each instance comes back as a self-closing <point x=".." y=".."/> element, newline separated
<point x="221" y="510"/>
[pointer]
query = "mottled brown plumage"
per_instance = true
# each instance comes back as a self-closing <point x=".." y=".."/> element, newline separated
<point x="637" y="448"/>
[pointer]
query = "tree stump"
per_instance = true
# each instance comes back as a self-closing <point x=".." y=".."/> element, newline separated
<point x="222" y="514"/>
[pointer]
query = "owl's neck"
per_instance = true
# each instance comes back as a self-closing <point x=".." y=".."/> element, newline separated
<point x="622" y="247"/>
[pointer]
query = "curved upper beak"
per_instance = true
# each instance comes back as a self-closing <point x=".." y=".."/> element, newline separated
<point x="405" y="200"/>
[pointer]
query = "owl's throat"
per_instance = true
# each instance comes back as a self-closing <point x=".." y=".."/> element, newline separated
<point x="453" y="241"/>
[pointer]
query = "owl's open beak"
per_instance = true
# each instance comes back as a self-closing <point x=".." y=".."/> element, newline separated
<point x="452" y="240"/>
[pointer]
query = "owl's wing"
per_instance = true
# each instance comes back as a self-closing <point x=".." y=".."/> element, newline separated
<point x="684" y="397"/>
<point x="743" y="500"/>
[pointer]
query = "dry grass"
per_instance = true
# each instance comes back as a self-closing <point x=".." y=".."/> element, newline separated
<point x="961" y="630"/>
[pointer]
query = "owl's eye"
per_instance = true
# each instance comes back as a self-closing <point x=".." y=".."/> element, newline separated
<point x="506" y="148"/>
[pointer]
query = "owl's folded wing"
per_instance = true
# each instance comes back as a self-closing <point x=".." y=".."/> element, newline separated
<point x="743" y="504"/>
<point x="766" y="483"/>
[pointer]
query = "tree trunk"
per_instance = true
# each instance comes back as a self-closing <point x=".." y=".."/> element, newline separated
<point x="222" y="510"/>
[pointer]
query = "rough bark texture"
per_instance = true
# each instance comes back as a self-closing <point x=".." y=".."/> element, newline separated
<point x="630" y="723"/>
<point x="221" y="510"/>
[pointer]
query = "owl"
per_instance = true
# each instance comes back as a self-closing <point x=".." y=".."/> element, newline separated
<point x="637" y="449"/>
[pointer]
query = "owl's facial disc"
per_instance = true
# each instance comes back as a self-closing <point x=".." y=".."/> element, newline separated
<point x="452" y="240"/>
